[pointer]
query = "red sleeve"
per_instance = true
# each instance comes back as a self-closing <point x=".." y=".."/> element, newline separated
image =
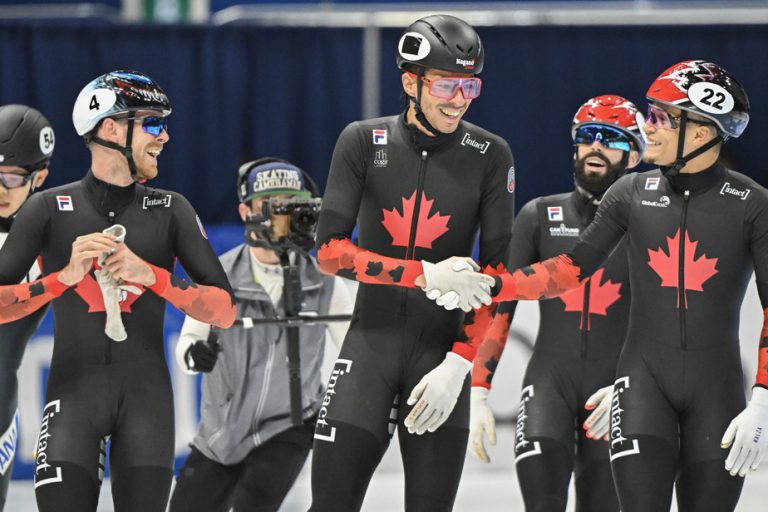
<point x="209" y="304"/>
<point x="544" y="280"/>
<point x="762" y="357"/>
<point x="343" y="258"/>
<point x="482" y="324"/>
<point x="19" y="300"/>
<point x="490" y="350"/>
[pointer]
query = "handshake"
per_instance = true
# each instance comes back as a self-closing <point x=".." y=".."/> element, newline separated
<point x="456" y="283"/>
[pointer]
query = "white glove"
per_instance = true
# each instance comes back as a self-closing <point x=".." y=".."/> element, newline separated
<point x="598" y="423"/>
<point x="480" y="422"/>
<point x="436" y="393"/>
<point x="111" y="289"/>
<point x="748" y="432"/>
<point x="456" y="282"/>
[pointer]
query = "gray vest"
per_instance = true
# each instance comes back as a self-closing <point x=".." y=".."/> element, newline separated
<point x="245" y="398"/>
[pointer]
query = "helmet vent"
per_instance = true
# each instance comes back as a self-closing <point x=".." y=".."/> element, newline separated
<point x="437" y="34"/>
<point x="462" y="50"/>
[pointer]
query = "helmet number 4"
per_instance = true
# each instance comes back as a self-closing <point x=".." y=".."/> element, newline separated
<point x="94" y="104"/>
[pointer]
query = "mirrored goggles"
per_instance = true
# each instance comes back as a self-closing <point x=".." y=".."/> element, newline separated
<point x="610" y="138"/>
<point x="660" y="118"/>
<point x="11" y="180"/>
<point x="154" y="125"/>
<point x="447" y="87"/>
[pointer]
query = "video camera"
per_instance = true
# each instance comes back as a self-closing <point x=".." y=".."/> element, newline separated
<point x="284" y="224"/>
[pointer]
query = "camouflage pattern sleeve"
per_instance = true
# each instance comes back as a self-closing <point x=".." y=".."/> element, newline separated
<point x="343" y="258"/>
<point x="209" y="304"/>
<point x="762" y="358"/>
<point x="20" y="300"/>
<point x="544" y="280"/>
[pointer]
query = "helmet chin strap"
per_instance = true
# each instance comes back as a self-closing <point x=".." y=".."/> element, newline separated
<point x="420" y="117"/>
<point x="680" y="160"/>
<point x="126" y="150"/>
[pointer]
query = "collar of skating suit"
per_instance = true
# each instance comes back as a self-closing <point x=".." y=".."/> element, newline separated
<point x="422" y="141"/>
<point x="106" y="197"/>
<point x="5" y="224"/>
<point x="698" y="181"/>
<point x="586" y="203"/>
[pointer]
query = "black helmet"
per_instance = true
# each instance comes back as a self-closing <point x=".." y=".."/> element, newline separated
<point x="115" y="93"/>
<point x="441" y="42"/>
<point x="706" y="89"/>
<point x="26" y="138"/>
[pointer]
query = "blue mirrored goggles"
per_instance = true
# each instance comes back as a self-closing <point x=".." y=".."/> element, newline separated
<point x="610" y="138"/>
<point x="154" y="125"/>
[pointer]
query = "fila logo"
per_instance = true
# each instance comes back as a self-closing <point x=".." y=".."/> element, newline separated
<point x="555" y="213"/>
<point x="652" y="183"/>
<point x="380" y="137"/>
<point x="65" y="203"/>
<point x="728" y="189"/>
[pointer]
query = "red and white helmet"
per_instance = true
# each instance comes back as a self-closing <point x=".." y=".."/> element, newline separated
<point x="614" y="111"/>
<point x="705" y="89"/>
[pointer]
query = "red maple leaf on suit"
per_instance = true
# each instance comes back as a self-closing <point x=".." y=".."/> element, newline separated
<point x="601" y="297"/>
<point x="88" y="290"/>
<point x="428" y="228"/>
<point x="697" y="271"/>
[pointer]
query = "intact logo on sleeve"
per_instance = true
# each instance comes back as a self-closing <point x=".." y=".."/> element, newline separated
<point x="65" y="203"/>
<point x="555" y="213"/>
<point x="479" y="145"/>
<point x="728" y="189"/>
<point x="149" y="202"/>
<point x="380" y="137"/>
<point x="652" y="183"/>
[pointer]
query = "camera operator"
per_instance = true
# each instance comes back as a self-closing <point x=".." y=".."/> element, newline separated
<point x="247" y="452"/>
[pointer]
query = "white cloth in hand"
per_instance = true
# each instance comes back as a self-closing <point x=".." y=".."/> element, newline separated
<point x="597" y="424"/>
<point x="748" y="433"/>
<point x="111" y="289"/>
<point x="456" y="282"/>
<point x="436" y="394"/>
<point x="481" y="422"/>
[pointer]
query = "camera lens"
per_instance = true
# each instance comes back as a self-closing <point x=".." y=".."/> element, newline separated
<point x="304" y="220"/>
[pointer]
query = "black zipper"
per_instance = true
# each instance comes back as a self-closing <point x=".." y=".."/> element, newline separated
<point x="410" y="251"/>
<point x="585" y="319"/>
<point x="681" y="272"/>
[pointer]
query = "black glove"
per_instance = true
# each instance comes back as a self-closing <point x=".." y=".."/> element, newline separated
<point x="202" y="355"/>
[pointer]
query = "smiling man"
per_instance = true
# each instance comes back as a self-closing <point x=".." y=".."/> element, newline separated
<point x="696" y="230"/>
<point x="102" y="385"/>
<point x="418" y="185"/>
<point x="569" y="378"/>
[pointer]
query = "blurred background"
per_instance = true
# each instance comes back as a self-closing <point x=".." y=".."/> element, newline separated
<point x="282" y="78"/>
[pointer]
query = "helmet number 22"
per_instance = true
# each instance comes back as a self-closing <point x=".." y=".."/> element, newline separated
<point x="707" y="99"/>
<point x="711" y="98"/>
